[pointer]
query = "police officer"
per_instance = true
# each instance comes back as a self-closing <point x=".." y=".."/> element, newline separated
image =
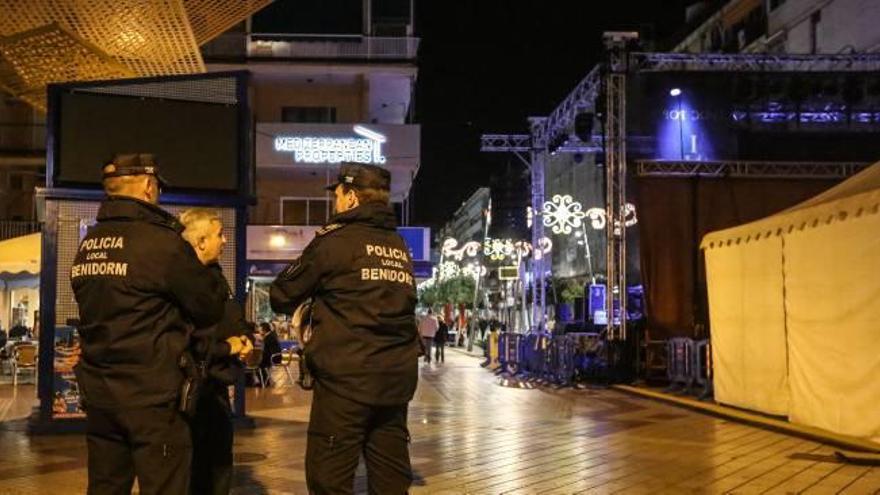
<point x="140" y="289"/>
<point x="364" y="346"/>
<point x="221" y="347"/>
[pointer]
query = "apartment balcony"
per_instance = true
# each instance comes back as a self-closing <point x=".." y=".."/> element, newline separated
<point x="310" y="47"/>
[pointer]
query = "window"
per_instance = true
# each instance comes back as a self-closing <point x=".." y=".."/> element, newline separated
<point x="305" y="211"/>
<point x="315" y="115"/>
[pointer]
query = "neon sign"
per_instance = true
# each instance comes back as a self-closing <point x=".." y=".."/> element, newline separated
<point x="324" y="149"/>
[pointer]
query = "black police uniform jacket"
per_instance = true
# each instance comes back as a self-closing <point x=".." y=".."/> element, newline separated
<point x="140" y="289"/>
<point x="358" y="271"/>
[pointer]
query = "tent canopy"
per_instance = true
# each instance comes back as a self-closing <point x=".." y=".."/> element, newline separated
<point x="20" y="256"/>
<point x="793" y="307"/>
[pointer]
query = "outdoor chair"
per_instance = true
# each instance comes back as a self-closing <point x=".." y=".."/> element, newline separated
<point x="24" y="358"/>
<point x="284" y="360"/>
<point x="252" y="365"/>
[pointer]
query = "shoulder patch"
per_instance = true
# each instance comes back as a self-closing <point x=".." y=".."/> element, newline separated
<point x="330" y="227"/>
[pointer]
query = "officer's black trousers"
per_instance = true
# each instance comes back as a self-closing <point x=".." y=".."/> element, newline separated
<point x="151" y="443"/>
<point x="340" y="430"/>
<point x="212" y="443"/>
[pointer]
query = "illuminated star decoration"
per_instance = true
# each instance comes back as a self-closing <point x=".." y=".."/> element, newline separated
<point x="562" y="214"/>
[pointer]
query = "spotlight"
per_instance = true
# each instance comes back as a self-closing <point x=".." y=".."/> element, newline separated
<point x="674" y="92"/>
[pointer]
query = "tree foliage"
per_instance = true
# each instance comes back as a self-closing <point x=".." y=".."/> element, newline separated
<point x="457" y="290"/>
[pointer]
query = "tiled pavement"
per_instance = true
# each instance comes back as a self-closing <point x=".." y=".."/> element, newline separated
<point x="471" y="434"/>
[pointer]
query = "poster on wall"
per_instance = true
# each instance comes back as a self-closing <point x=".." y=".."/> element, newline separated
<point x="65" y="390"/>
<point x="65" y="393"/>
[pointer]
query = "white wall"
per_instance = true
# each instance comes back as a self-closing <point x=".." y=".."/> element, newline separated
<point x="844" y="23"/>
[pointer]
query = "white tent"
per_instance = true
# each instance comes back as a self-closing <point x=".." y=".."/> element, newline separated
<point x="794" y="305"/>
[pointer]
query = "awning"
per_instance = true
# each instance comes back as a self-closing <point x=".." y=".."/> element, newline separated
<point x="20" y="256"/>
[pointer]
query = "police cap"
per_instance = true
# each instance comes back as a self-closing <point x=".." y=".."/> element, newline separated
<point x="133" y="164"/>
<point x="360" y="175"/>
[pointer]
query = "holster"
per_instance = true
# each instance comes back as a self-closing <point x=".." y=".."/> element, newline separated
<point x="194" y="376"/>
<point x="306" y="381"/>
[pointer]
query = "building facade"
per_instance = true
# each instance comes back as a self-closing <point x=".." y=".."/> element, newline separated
<point x="469" y="221"/>
<point x="783" y="26"/>
<point x="322" y="84"/>
<point x="330" y="81"/>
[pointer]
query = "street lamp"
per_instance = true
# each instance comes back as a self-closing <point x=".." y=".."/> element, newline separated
<point x="676" y="93"/>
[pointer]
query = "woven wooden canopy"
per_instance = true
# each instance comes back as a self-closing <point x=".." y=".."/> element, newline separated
<point x="49" y="41"/>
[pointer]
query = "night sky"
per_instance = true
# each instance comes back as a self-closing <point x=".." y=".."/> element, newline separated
<point x="486" y="65"/>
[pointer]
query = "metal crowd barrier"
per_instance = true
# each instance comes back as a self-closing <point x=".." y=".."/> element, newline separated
<point x="556" y="359"/>
<point x="703" y="367"/>
<point x="689" y="363"/>
<point x="565" y="359"/>
<point x="510" y="352"/>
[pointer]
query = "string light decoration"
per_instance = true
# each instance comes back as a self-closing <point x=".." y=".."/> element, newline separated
<point x="449" y="269"/>
<point x="474" y="270"/>
<point x="497" y="249"/>
<point x="500" y="249"/>
<point x="470" y="248"/>
<point x="562" y="214"/>
<point x="598" y="221"/>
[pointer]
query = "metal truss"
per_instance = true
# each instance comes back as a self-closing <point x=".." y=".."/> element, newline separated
<point x="521" y="143"/>
<point x="615" y="188"/>
<point x="594" y="146"/>
<point x="748" y="169"/>
<point x="581" y="99"/>
<point x="506" y="142"/>
<point x="539" y="261"/>
<point x="764" y="62"/>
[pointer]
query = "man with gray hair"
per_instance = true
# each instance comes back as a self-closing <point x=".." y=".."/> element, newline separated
<point x="220" y="347"/>
<point x="140" y="289"/>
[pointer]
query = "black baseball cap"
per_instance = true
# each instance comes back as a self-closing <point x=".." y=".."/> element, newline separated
<point x="133" y="164"/>
<point x="361" y="175"/>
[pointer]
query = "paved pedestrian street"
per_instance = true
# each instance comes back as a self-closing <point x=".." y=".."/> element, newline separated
<point x="473" y="433"/>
